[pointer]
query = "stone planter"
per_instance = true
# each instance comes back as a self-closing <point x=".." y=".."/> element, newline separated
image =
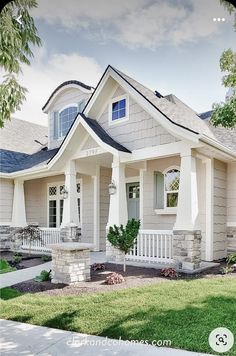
<point x="70" y="262"/>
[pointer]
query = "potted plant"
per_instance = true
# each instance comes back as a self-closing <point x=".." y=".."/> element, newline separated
<point x="124" y="238"/>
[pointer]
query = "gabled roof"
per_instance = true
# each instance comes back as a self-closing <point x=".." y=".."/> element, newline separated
<point x="101" y="133"/>
<point x="19" y="136"/>
<point x="11" y="161"/>
<point x="179" y="115"/>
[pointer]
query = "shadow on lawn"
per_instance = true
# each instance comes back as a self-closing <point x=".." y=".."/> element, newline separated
<point x="187" y="328"/>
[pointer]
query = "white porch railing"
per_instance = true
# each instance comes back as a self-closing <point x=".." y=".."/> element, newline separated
<point x="48" y="236"/>
<point x="153" y="246"/>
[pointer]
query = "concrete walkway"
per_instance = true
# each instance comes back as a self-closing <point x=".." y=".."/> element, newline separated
<point x="10" y="278"/>
<point x="25" y="339"/>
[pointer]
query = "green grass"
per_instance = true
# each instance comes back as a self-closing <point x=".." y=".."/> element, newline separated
<point x="184" y="312"/>
<point x="5" y="267"/>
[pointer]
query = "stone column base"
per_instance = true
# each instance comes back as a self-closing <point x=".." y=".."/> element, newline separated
<point x="187" y="249"/>
<point x="70" y="263"/>
<point x="70" y="233"/>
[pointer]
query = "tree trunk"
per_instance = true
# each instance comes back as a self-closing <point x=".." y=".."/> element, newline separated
<point x="124" y="265"/>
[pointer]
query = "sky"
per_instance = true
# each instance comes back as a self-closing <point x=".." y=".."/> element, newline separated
<point x="172" y="46"/>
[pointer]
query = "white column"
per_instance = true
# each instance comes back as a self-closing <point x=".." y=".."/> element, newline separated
<point x="209" y="208"/>
<point x="118" y="213"/>
<point x="96" y="209"/>
<point x="187" y="210"/>
<point x="70" y="207"/>
<point x="141" y="196"/>
<point x="18" y="209"/>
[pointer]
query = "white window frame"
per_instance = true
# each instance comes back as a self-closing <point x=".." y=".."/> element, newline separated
<point x="122" y="119"/>
<point x="59" y="136"/>
<point x="58" y="197"/>
<point x="167" y="210"/>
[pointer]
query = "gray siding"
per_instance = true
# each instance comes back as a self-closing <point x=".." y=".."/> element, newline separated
<point x="6" y="193"/>
<point x="69" y="96"/>
<point x="141" y="130"/>
<point x="231" y="193"/>
<point x="220" y="210"/>
<point x="201" y="186"/>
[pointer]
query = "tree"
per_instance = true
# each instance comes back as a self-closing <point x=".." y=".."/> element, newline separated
<point x="124" y="238"/>
<point x="224" y="114"/>
<point x="15" y="49"/>
<point x="27" y="234"/>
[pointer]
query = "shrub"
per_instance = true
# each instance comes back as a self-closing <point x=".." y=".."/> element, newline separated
<point x="231" y="258"/>
<point x="114" y="278"/>
<point x="44" y="276"/>
<point x="29" y="233"/>
<point x="5" y="267"/>
<point x="98" y="267"/>
<point x="17" y="258"/>
<point x="124" y="238"/>
<point x="46" y="258"/>
<point x="169" y="272"/>
<point x="226" y="270"/>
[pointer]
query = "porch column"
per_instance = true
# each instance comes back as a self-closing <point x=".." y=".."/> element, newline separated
<point x="187" y="236"/>
<point x="118" y="212"/>
<point x="209" y="207"/>
<point x="70" y="208"/>
<point x="96" y="209"/>
<point x="18" y="209"/>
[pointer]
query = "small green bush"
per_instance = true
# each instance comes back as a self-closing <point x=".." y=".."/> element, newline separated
<point x="231" y="258"/>
<point x="44" y="276"/>
<point x="46" y="258"/>
<point x="5" y="267"/>
<point x="17" y="258"/>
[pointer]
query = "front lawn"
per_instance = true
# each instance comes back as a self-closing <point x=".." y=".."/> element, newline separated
<point x="183" y="311"/>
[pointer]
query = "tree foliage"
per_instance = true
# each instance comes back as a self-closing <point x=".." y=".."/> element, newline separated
<point x="15" y="49"/>
<point x="224" y="114"/>
<point x="124" y="238"/>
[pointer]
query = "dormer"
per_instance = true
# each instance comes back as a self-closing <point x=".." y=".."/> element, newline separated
<point x="66" y="101"/>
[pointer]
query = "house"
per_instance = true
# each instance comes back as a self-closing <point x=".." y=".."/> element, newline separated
<point x="117" y="152"/>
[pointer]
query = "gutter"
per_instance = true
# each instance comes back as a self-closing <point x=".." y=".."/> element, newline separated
<point x="219" y="146"/>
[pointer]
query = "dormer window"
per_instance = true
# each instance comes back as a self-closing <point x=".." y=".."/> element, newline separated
<point x="63" y="119"/>
<point x="118" y="109"/>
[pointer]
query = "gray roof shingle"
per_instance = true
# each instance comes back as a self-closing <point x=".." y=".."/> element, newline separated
<point x="19" y="136"/>
<point x="12" y="161"/>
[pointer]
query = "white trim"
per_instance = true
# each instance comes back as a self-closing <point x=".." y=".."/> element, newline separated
<point x="231" y="224"/>
<point x="166" y="211"/>
<point x="209" y="208"/>
<point x="96" y="209"/>
<point x="122" y="119"/>
<point x="135" y="179"/>
<point x="71" y="105"/>
<point x="62" y="89"/>
<point x="166" y="170"/>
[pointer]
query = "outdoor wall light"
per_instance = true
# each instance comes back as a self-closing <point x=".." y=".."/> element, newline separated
<point x="64" y="193"/>
<point x="112" y="188"/>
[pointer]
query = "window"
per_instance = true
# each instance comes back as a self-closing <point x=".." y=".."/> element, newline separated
<point x="171" y="188"/>
<point x="66" y="118"/>
<point x="118" y="109"/>
<point x="56" y="203"/>
<point x="167" y="189"/>
<point x="63" y="120"/>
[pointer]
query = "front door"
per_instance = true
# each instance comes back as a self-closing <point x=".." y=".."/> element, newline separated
<point x="133" y="200"/>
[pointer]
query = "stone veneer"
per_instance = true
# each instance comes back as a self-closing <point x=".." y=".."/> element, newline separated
<point x="5" y="236"/>
<point x="70" y="262"/>
<point x="231" y="239"/>
<point x="187" y="249"/>
<point x="114" y="254"/>
<point x="70" y="233"/>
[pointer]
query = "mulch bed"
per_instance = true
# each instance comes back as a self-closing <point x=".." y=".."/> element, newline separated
<point x="27" y="260"/>
<point x="134" y="277"/>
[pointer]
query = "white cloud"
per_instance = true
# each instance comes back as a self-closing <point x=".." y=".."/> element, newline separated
<point x="136" y="23"/>
<point x="46" y="73"/>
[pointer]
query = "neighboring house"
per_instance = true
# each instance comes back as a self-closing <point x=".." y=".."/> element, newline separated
<point x="123" y="151"/>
